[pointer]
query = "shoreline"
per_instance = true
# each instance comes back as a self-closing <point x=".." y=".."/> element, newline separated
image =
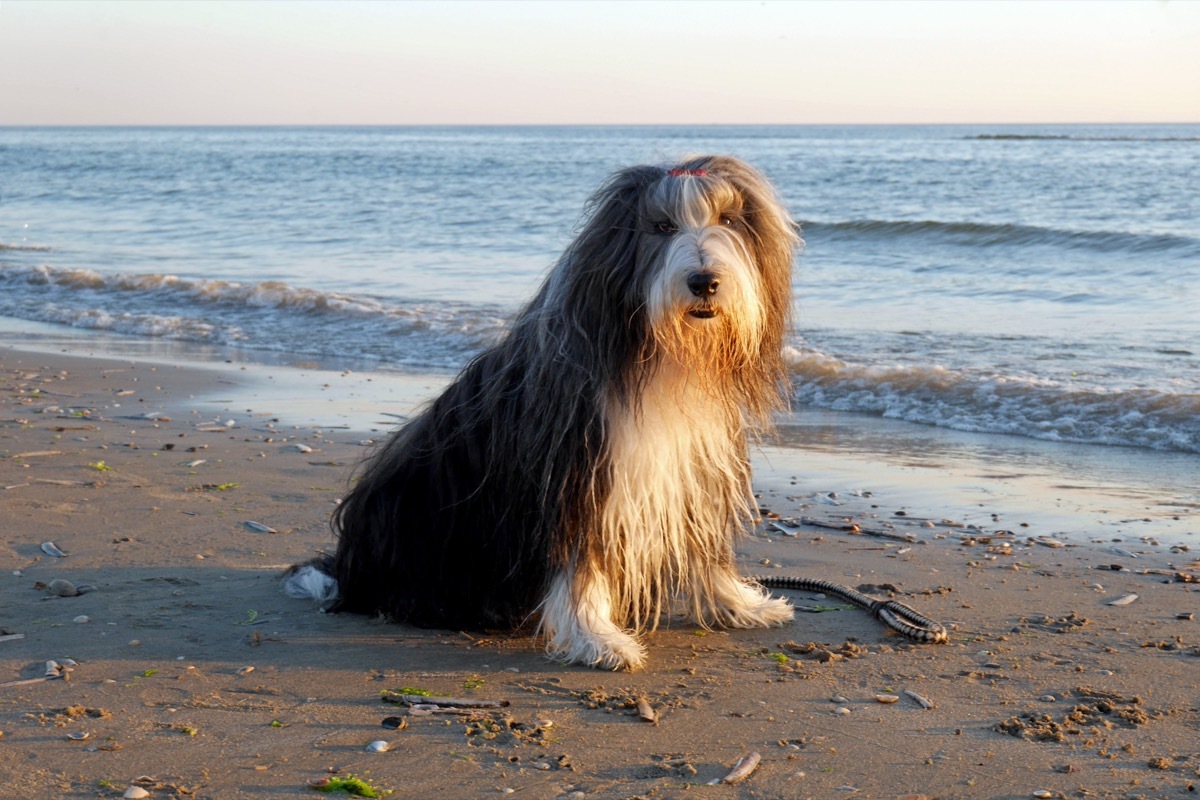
<point x="1045" y="686"/>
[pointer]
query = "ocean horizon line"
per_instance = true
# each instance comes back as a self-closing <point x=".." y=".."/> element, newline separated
<point x="566" y="125"/>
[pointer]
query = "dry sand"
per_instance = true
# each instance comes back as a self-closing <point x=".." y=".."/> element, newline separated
<point x="194" y="677"/>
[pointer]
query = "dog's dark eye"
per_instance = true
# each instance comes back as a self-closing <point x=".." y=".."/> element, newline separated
<point x="730" y="221"/>
<point x="664" y="228"/>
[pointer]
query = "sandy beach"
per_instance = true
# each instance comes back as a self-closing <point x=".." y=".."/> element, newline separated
<point x="169" y="499"/>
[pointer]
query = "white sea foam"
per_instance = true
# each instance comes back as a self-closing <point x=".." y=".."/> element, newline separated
<point x="268" y="315"/>
<point x="1039" y="408"/>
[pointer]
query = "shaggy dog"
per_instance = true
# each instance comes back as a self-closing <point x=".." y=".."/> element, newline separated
<point x="590" y="470"/>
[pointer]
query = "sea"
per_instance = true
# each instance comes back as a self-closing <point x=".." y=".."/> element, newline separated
<point x="988" y="286"/>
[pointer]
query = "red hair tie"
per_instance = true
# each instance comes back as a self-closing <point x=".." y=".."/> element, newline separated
<point x="677" y="172"/>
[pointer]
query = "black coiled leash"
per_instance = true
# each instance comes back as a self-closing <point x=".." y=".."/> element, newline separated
<point x="894" y="614"/>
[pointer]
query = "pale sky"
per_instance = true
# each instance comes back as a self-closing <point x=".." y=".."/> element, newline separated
<point x="337" y="62"/>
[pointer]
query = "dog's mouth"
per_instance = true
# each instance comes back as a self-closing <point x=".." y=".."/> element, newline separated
<point x="704" y="312"/>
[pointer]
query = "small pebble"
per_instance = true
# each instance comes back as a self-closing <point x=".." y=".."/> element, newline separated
<point x="135" y="792"/>
<point x="62" y="588"/>
<point x="837" y="698"/>
<point x="841" y="710"/>
<point x="378" y="746"/>
<point x="82" y="618"/>
<point x="1048" y="698"/>
<point x="1185" y="615"/>
<point x="887" y="698"/>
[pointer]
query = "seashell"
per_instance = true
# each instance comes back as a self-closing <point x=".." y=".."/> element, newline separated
<point x="84" y="588"/>
<point x="837" y="698"/>
<point x="1043" y="793"/>
<point x="78" y="737"/>
<point x="1185" y="615"/>
<point x="259" y="527"/>
<point x="82" y="619"/>
<point x="395" y="723"/>
<point x="52" y="669"/>
<point x="646" y="711"/>
<point x="841" y="711"/>
<point x="51" y="549"/>
<point x="378" y="746"/>
<point x="1046" y="541"/>
<point x="135" y="793"/>
<point x="887" y="698"/>
<point x="1123" y="601"/>
<point x="741" y="770"/>
<point x="195" y="463"/>
<point x="300" y="448"/>
<point x="245" y="670"/>
<point x="62" y="588"/>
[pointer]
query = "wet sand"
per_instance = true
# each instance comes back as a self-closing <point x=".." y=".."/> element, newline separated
<point x="193" y="676"/>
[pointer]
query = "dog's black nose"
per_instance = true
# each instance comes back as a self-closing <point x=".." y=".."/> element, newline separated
<point x="703" y="284"/>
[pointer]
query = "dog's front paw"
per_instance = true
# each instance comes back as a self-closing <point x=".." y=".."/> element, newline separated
<point x="621" y="652"/>
<point x="613" y="650"/>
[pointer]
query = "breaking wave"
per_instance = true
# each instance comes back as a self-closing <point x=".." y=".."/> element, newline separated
<point x="267" y="315"/>
<point x="1037" y="408"/>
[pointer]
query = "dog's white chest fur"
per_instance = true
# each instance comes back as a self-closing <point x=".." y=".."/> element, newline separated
<point x="671" y="462"/>
<point x="679" y="493"/>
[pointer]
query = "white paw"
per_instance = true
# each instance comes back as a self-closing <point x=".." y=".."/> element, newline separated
<point x="772" y="613"/>
<point x="614" y="650"/>
<point x="754" y="608"/>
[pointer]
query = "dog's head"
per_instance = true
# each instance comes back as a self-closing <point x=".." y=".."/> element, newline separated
<point x="697" y="253"/>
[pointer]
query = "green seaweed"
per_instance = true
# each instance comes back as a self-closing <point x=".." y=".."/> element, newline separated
<point x="350" y="784"/>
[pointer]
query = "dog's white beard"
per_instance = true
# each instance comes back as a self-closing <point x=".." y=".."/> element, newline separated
<point x="739" y="313"/>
